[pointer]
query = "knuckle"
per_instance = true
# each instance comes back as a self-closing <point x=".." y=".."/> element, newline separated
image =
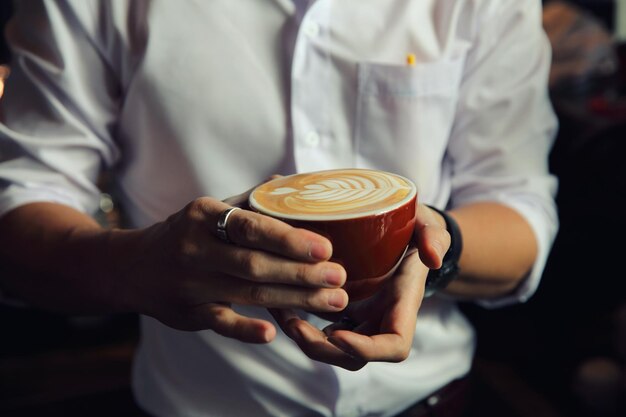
<point x="401" y="354"/>
<point x="312" y="301"/>
<point x="301" y="273"/>
<point x="289" y="236"/>
<point x="216" y="320"/>
<point x="253" y="265"/>
<point x="195" y="210"/>
<point x="257" y="295"/>
<point x="246" y="229"/>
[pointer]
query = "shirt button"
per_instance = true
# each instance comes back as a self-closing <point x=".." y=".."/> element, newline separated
<point x="311" y="29"/>
<point x="312" y="139"/>
<point x="433" y="400"/>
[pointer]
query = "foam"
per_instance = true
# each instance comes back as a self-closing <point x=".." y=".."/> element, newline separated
<point x="333" y="194"/>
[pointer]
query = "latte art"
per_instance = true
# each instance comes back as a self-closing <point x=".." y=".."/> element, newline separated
<point x="344" y="193"/>
<point x="332" y="194"/>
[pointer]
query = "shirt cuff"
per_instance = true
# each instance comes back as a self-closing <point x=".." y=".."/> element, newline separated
<point x="15" y="196"/>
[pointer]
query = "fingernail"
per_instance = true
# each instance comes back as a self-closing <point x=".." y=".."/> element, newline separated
<point x="337" y="300"/>
<point x="333" y="277"/>
<point x="319" y="251"/>
<point x="438" y="248"/>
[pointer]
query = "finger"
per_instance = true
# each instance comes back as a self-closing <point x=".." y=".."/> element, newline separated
<point x="406" y="295"/>
<point x="388" y="342"/>
<point x="378" y="348"/>
<point x="403" y="293"/>
<point x="397" y="327"/>
<point x="431" y="237"/>
<point x="315" y="345"/>
<point x="256" y="231"/>
<point x="263" y="267"/>
<point x="225" y="321"/>
<point x="283" y="317"/>
<point x="244" y="292"/>
<point x="213" y="255"/>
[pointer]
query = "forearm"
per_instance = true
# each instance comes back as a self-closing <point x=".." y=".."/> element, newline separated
<point x="499" y="249"/>
<point x="57" y="258"/>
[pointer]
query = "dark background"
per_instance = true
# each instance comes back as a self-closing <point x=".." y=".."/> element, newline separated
<point x="603" y="9"/>
<point x="6" y="9"/>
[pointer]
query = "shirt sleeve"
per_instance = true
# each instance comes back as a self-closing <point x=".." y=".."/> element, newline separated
<point x="505" y="127"/>
<point x="59" y="110"/>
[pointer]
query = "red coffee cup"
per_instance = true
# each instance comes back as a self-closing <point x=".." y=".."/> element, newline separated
<point x="370" y="233"/>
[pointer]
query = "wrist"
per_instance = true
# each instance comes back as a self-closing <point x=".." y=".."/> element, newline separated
<point x="105" y="255"/>
<point x="124" y="252"/>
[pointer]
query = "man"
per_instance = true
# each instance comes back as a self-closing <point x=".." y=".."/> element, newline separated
<point x="193" y="99"/>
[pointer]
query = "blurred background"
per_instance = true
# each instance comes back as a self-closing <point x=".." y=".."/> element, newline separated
<point x="563" y="353"/>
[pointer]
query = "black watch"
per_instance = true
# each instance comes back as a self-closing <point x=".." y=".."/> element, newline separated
<point x="439" y="279"/>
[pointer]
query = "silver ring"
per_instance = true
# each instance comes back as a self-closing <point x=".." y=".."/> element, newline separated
<point x="222" y="222"/>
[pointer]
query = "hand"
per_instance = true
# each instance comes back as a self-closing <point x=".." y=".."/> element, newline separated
<point x="380" y="328"/>
<point x="187" y="277"/>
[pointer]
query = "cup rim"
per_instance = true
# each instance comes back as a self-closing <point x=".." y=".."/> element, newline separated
<point x="334" y="217"/>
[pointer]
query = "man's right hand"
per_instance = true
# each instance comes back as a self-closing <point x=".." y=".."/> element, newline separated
<point x="186" y="277"/>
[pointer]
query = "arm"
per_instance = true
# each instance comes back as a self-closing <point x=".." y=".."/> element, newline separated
<point x="177" y="271"/>
<point x="56" y="134"/>
<point x="499" y="250"/>
<point x="37" y="242"/>
<point x="502" y="192"/>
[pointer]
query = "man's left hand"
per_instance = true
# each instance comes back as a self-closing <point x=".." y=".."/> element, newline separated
<point x="380" y="328"/>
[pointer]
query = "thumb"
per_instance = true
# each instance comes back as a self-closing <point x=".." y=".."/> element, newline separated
<point x="431" y="237"/>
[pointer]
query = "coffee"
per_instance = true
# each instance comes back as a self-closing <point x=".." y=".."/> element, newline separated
<point x="332" y="195"/>
<point x="368" y="215"/>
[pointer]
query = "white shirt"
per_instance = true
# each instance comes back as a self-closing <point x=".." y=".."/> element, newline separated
<point x="192" y="98"/>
